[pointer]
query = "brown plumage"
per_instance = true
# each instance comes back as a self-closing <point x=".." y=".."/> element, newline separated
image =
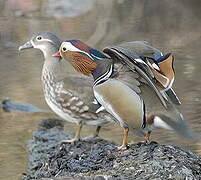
<point x="162" y="80"/>
<point x="166" y="73"/>
<point x="166" y="67"/>
<point x="80" y="62"/>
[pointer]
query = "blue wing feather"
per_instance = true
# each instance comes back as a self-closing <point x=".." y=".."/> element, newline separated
<point x="97" y="54"/>
<point x="162" y="58"/>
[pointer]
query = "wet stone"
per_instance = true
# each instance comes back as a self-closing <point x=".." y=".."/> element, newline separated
<point x="97" y="159"/>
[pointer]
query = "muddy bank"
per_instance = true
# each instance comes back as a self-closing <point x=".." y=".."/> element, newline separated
<point x="95" y="158"/>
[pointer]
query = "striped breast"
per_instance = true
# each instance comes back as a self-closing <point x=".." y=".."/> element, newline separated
<point x="122" y="102"/>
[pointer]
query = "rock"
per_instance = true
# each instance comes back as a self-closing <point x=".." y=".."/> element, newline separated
<point x="8" y="106"/>
<point x="95" y="158"/>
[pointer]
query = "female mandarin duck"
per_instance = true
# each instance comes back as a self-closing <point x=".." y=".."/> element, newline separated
<point x="123" y="86"/>
<point x="64" y="97"/>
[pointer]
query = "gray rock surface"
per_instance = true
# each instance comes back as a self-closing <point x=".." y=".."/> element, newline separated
<point x="95" y="158"/>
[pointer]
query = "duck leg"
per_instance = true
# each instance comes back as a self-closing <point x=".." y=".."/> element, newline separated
<point x="97" y="131"/>
<point x="76" y="138"/>
<point x="147" y="137"/>
<point x="125" y="139"/>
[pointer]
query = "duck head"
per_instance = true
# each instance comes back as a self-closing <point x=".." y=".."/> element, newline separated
<point x="82" y="57"/>
<point x="47" y="42"/>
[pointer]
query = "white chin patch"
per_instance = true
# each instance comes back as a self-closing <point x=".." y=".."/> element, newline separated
<point x="42" y="48"/>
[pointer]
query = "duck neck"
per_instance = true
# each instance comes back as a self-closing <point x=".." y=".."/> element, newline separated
<point x="103" y="71"/>
<point x="52" y="65"/>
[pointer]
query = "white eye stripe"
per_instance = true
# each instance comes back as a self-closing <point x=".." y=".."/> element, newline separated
<point x="70" y="47"/>
<point x="47" y="40"/>
<point x="40" y="38"/>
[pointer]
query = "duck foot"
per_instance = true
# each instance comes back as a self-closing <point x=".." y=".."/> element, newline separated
<point x="66" y="141"/>
<point x="76" y="138"/>
<point x="147" y="137"/>
<point x="123" y="147"/>
<point x="125" y="140"/>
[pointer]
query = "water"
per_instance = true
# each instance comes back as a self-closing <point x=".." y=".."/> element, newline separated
<point x="174" y="27"/>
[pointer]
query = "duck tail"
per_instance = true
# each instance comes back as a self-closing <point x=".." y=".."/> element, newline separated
<point x="178" y="124"/>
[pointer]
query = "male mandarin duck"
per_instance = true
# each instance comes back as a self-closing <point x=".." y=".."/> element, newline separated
<point x="125" y="89"/>
<point x="63" y="96"/>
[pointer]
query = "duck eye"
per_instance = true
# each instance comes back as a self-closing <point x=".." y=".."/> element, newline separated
<point x="64" y="49"/>
<point x="39" y="38"/>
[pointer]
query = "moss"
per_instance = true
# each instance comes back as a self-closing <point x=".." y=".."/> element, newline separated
<point x="97" y="158"/>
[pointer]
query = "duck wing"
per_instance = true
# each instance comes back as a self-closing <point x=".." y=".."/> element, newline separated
<point x="75" y="96"/>
<point x="128" y="57"/>
<point x="143" y="54"/>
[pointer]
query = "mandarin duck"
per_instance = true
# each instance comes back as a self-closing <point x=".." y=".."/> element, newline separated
<point x="125" y="89"/>
<point x="63" y="96"/>
<point x="161" y="66"/>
